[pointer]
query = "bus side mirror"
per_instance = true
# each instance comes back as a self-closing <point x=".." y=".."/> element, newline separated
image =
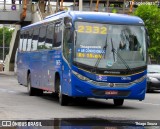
<point x="147" y="37"/>
<point x="68" y="25"/>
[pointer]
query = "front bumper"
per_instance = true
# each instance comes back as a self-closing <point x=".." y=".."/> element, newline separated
<point x="85" y="89"/>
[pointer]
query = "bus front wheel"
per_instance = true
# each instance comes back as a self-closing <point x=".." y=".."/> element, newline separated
<point x="118" y="102"/>
<point x="63" y="99"/>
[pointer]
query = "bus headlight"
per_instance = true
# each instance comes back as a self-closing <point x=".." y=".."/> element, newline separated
<point x="140" y="79"/>
<point x="81" y="76"/>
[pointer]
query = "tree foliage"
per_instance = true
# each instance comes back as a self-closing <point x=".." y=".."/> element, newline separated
<point x="8" y="36"/>
<point x="151" y="17"/>
<point x="7" y="39"/>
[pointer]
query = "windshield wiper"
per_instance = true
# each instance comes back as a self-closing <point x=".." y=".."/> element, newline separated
<point x="115" y="52"/>
<point x="103" y="53"/>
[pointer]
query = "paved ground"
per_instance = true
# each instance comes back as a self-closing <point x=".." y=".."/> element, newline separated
<point x="16" y="104"/>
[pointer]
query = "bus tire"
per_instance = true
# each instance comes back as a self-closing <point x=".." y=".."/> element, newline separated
<point x="81" y="99"/>
<point x="63" y="99"/>
<point x="31" y="90"/>
<point x="118" y="102"/>
<point x="39" y="92"/>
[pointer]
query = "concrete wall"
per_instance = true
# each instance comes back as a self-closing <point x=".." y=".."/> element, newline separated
<point x="10" y="58"/>
<point x="10" y="14"/>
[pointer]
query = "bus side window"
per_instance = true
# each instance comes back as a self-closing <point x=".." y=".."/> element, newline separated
<point x="57" y="35"/>
<point x="42" y="36"/>
<point x="35" y="39"/>
<point x="25" y="41"/>
<point x="21" y="42"/>
<point x="49" y="37"/>
<point x="67" y="40"/>
<point x="29" y="40"/>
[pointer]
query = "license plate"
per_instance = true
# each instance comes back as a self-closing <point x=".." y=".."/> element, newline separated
<point x="111" y="92"/>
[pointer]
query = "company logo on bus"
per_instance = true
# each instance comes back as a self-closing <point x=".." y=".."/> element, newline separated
<point x="125" y="78"/>
<point x="101" y="78"/>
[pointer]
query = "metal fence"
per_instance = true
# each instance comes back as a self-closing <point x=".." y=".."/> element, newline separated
<point x="100" y="9"/>
<point x="10" y="7"/>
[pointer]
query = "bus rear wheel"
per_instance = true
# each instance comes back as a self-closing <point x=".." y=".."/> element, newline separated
<point x="118" y="102"/>
<point x="31" y="90"/>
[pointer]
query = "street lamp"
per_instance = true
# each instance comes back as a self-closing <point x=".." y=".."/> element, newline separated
<point x="3" y="43"/>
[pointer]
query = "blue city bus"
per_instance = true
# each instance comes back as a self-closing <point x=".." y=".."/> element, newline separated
<point x="84" y="55"/>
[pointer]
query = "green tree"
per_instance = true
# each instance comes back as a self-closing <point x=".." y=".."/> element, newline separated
<point x="8" y="36"/>
<point x="151" y="17"/>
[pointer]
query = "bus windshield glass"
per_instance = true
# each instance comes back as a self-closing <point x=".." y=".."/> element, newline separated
<point x="111" y="44"/>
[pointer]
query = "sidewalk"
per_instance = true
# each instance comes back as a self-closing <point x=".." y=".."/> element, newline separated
<point x="8" y="73"/>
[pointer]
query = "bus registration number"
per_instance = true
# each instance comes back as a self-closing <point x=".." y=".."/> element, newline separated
<point x="92" y="29"/>
<point x="109" y="92"/>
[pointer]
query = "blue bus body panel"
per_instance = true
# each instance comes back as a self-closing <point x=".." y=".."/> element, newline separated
<point x="42" y="65"/>
<point x="66" y="78"/>
<point x="23" y="60"/>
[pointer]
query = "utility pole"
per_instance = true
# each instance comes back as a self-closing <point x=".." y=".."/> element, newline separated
<point x="80" y="5"/>
<point x="107" y="6"/>
<point x="57" y="6"/>
<point x="124" y="1"/>
<point x="4" y="5"/>
<point x="49" y="5"/>
<point x="91" y="4"/>
<point x="3" y="43"/>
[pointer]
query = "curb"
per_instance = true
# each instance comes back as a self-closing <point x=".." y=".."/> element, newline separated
<point x="7" y="73"/>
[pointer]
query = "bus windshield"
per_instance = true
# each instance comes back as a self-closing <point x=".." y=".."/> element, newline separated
<point x="112" y="44"/>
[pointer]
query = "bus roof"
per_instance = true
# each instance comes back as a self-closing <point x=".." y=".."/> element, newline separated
<point x="104" y="17"/>
<point x="99" y="17"/>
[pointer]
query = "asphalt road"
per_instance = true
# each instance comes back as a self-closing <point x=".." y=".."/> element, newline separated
<point x="16" y="104"/>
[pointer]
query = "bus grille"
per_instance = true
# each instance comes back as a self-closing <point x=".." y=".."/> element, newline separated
<point x="106" y="84"/>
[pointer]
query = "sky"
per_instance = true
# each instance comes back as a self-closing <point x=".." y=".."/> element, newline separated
<point x="17" y="2"/>
<point x="9" y="1"/>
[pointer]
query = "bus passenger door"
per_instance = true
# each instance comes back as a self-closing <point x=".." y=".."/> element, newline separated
<point x="66" y="63"/>
<point x="66" y="77"/>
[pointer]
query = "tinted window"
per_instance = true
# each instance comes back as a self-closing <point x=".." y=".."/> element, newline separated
<point x="25" y="42"/>
<point x="20" y="42"/>
<point x="29" y="40"/>
<point x="58" y="35"/>
<point x="67" y="44"/>
<point x="42" y="36"/>
<point x="49" y="37"/>
<point x="35" y="39"/>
